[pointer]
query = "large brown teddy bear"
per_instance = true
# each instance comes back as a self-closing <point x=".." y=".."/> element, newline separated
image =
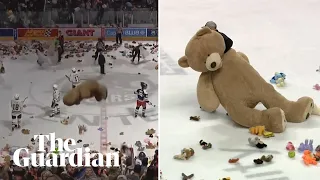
<point x="228" y="79"/>
<point x="85" y="90"/>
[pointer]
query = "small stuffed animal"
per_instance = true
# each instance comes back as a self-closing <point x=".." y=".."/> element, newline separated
<point x="257" y="130"/>
<point x="316" y="87"/>
<point x="267" y="158"/>
<point x="258" y="161"/>
<point x="307" y="145"/>
<point x="186" y="153"/>
<point x="290" y="146"/>
<point x="253" y="141"/>
<point x="261" y="145"/>
<point x="25" y="131"/>
<point x="276" y="76"/>
<point x="139" y="145"/>
<point x="195" y="118"/>
<point x="150" y="131"/>
<point x="185" y="177"/>
<point x="82" y="129"/>
<point x="65" y="121"/>
<point x="205" y="145"/>
<point x="257" y="143"/>
<point x="233" y="160"/>
<point x="150" y="145"/>
<point x="280" y="82"/>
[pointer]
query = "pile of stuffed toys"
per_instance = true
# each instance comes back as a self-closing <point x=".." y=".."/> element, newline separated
<point x="278" y="79"/>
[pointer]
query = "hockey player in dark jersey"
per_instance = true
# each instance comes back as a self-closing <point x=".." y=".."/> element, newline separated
<point x="142" y="99"/>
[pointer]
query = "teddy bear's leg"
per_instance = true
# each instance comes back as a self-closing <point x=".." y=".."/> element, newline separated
<point x="273" y="119"/>
<point x="243" y="56"/>
<point x="295" y="111"/>
<point x="207" y="98"/>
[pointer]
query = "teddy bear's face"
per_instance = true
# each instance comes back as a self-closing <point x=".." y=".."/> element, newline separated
<point x="204" y="51"/>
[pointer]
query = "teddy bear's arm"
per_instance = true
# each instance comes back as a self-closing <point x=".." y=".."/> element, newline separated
<point x="207" y="97"/>
<point x="243" y="56"/>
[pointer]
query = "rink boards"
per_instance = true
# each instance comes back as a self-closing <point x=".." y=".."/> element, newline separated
<point x="78" y="34"/>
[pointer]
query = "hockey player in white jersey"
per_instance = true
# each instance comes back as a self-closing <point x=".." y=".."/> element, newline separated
<point x="55" y="101"/>
<point x="74" y="78"/>
<point x="16" y="111"/>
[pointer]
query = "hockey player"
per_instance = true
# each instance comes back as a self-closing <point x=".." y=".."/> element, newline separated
<point x="55" y="101"/>
<point x="40" y="57"/>
<point x="99" y="47"/>
<point x="74" y="78"/>
<point x="16" y="111"/>
<point x="142" y="99"/>
<point x="2" y="69"/>
<point x="136" y="52"/>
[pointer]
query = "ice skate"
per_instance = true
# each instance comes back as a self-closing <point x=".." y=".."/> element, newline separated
<point x="143" y="115"/>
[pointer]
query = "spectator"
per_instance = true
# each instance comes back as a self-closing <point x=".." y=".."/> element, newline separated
<point x="136" y="173"/>
<point x="144" y="165"/>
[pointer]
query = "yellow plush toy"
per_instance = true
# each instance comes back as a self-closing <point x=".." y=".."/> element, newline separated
<point x="280" y="82"/>
<point x="257" y="130"/>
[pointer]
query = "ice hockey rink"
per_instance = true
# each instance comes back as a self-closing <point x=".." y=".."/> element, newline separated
<point x="277" y="36"/>
<point x="112" y="123"/>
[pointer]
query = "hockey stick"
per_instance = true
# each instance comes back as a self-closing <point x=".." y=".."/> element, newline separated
<point x="68" y="78"/>
<point x="25" y="99"/>
<point x="150" y="103"/>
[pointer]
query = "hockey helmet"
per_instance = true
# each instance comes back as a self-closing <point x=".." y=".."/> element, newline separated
<point x="73" y="70"/>
<point x="55" y="86"/>
<point x="16" y="96"/>
<point x="144" y="85"/>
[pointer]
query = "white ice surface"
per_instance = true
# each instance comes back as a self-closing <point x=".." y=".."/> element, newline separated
<point x="277" y="36"/>
<point x="25" y="77"/>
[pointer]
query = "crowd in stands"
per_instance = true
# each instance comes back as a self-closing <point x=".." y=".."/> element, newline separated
<point x="138" y="168"/>
<point x="29" y="13"/>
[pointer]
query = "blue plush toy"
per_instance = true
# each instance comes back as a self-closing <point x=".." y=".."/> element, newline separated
<point x="276" y="76"/>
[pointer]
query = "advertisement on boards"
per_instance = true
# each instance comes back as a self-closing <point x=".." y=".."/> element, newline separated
<point x="130" y="34"/>
<point x="135" y="32"/>
<point x="37" y="33"/>
<point x="78" y="34"/>
<point x="6" y="34"/>
<point x="152" y="32"/>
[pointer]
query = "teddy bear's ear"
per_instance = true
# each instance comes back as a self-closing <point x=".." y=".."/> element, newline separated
<point x="203" y="31"/>
<point x="183" y="62"/>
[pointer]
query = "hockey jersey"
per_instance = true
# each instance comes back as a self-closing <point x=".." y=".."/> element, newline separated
<point x="74" y="78"/>
<point x="142" y="95"/>
<point x="16" y="107"/>
<point x="100" y="45"/>
<point x="56" y="96"/>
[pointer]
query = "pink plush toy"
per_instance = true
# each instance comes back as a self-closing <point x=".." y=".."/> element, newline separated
<point x="147" y="140"/>
<point x="290" y="146"/>
<point x="316" y="87"/>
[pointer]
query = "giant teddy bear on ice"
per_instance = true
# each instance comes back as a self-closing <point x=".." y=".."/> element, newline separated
<point x="228" y="79"/>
